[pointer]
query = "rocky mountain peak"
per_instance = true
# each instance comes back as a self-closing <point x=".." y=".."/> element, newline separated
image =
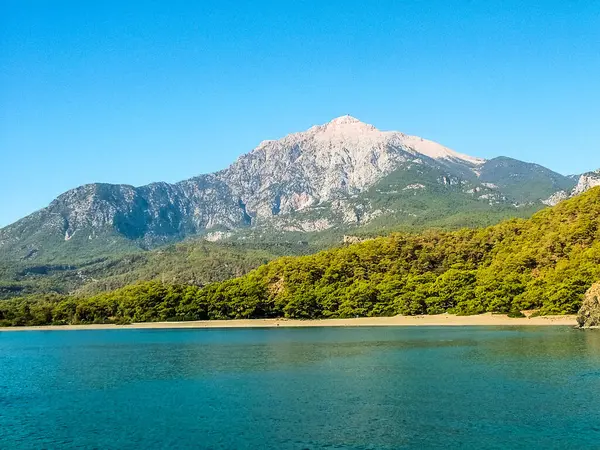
<point x="349" y="135"/>
<point x="346" y="125"/>
<point x="339" y="131"/>
<point x="345" y="120"/>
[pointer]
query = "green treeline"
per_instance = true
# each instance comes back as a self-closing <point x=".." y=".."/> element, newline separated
<point x="545" y="263"/>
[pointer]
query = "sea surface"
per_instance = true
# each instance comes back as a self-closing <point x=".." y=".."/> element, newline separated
<point x="307" y="388"/>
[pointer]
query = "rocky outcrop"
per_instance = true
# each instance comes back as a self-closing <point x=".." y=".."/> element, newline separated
<point x="352" y="240"/>
<point x="585" y="182"/>
<point x="556" y="198"/>
<point x="589" y="313"/>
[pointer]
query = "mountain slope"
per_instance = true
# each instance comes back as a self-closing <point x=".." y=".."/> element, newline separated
<point x="102" y="219"/>
<point x="521" y="181"/>
<point x="325" y="178"/>
<point x="194" y="262"/>
<point x="545" y="263"/>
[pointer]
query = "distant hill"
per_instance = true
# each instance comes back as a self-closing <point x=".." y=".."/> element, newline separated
<point x="521" y="181"/>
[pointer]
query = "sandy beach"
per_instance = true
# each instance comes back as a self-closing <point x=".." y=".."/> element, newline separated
<point x="403" y="321"/>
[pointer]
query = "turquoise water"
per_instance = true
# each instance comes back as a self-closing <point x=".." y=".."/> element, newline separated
<point x="309" y="388"/>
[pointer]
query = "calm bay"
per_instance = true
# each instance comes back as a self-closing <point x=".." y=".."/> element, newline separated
<point x="301" y="388"/>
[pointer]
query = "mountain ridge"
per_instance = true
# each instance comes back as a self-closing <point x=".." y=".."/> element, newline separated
<point x="318" y="179"/>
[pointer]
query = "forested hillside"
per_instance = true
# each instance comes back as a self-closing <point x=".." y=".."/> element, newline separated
<point x="195" y="262"/>
<point x="546" y="263"/>
<point x="199" y="262"/>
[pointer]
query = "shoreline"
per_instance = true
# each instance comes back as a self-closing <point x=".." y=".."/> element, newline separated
<point x="487" y="319"/>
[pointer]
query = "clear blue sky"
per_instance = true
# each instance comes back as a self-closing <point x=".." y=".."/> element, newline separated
<point x="141" y="91"/>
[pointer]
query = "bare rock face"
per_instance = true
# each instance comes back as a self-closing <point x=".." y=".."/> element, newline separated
<point x="352" y="239"/>
<point x="556" y="198"/>
<point x="327" y="162"/>
<point x="586" y="182"/>
<point x="589" y="313"/>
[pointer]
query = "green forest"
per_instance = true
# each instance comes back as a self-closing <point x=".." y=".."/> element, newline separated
<point x="196" y="262"/>
<point x="545" y="263"/>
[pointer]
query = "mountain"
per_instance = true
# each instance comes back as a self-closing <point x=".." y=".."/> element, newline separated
<point x="545" y="263"/>
<point x="585" y="182"/>
<point x="521" y="181"/>
<point x="335" y="176"/>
